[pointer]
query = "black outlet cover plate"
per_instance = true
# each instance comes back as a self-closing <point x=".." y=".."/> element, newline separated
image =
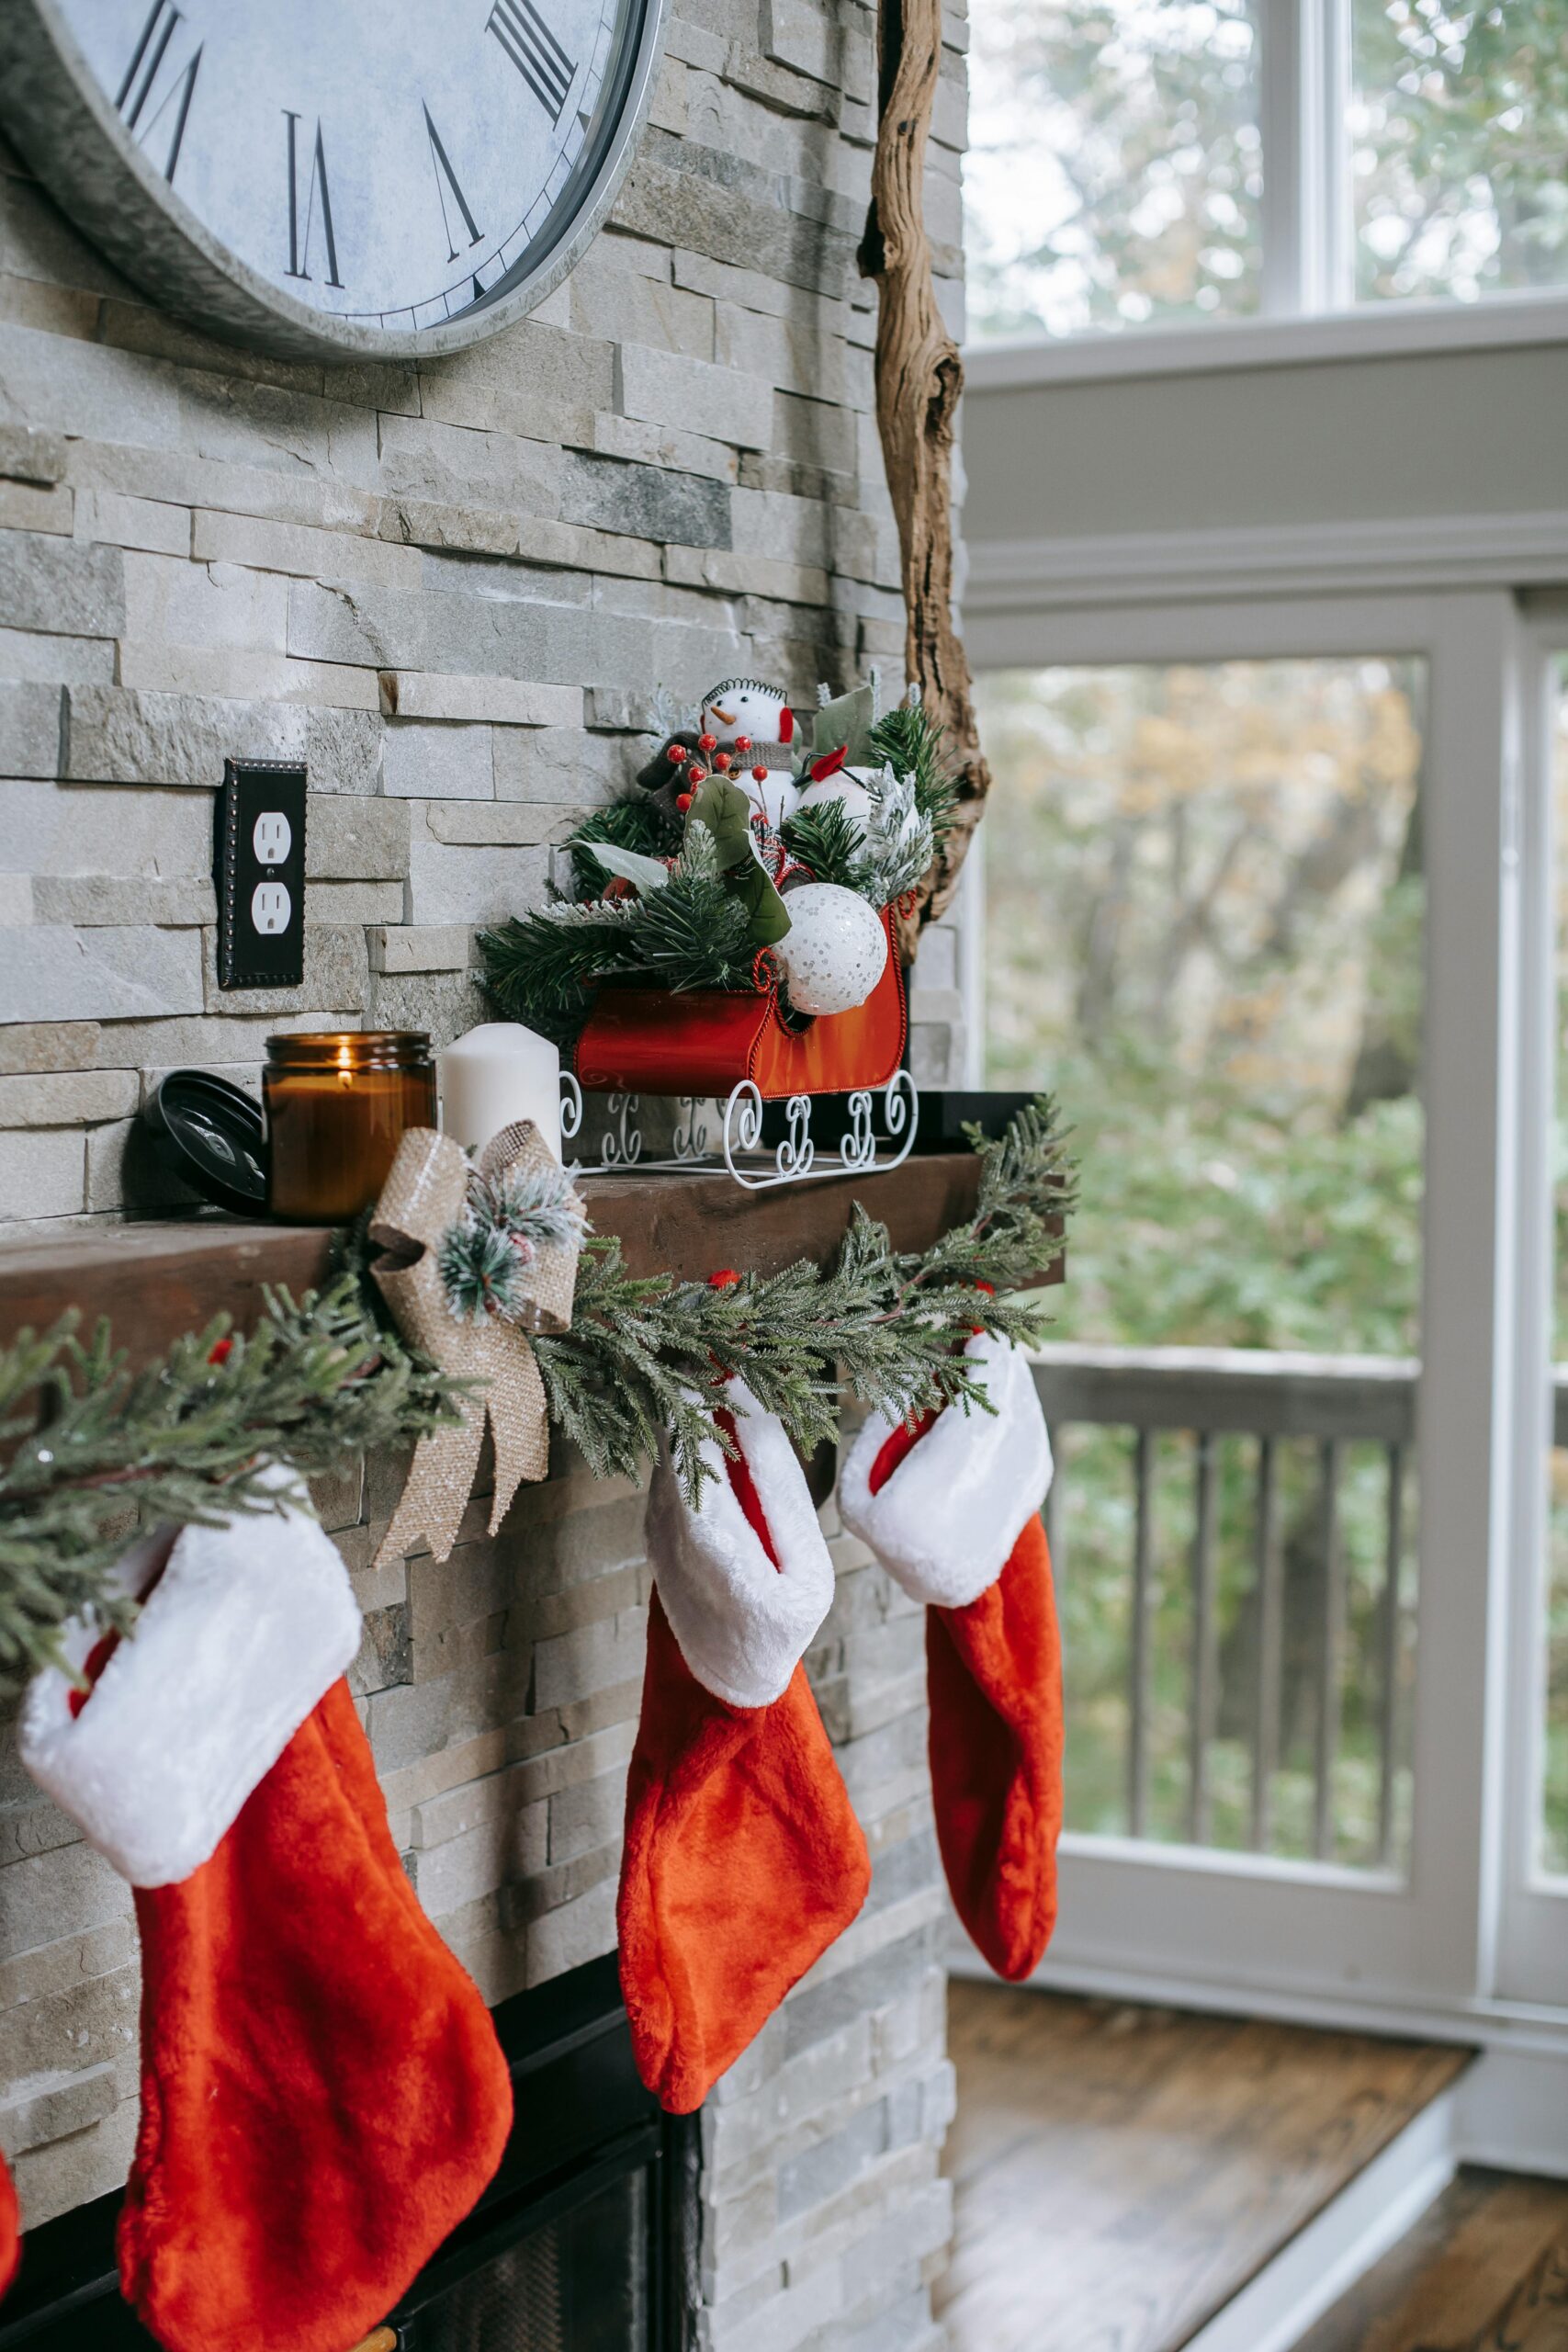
<point x="259" y="867"/>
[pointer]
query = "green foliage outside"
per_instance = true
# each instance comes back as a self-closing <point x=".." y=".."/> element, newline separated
<point x="1204" y="899"/>
<point x="1116" y="167"/>
<point x="1204" y="917"/>
<point x="1459" y="130"/>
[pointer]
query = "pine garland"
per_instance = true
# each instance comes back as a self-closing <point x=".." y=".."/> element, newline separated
<point x="188" y="1439"/>
<point x="644" y="1354"/>
<point x="318" y="1384"/>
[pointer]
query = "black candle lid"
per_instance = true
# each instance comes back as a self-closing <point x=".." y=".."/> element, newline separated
<point x="213" y="1134"/>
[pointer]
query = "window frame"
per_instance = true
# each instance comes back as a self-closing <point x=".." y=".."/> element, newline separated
<point x="1307" y="308"/>
<point x="1530" y="1958"/>
<point x="1175" y="1920"/>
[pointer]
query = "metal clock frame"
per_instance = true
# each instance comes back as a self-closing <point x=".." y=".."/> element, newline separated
<point x="69" y="133"/>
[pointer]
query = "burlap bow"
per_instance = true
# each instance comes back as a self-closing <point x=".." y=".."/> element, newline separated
<point x="423" y="1197"/>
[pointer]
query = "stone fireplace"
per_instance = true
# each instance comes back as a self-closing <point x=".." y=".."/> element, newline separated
<point x="803" y="2208"/>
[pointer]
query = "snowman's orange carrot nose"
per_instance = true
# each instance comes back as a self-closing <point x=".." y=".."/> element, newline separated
<point x="724" y="717"/>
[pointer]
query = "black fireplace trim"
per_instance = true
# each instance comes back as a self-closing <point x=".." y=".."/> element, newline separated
<point x="583" y="2120"/>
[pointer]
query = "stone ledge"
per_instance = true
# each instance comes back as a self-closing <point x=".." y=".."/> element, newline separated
<point x="158" y="1280"/>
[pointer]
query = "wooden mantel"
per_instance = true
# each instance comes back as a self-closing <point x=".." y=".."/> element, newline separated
<point x="156" y="1281"/>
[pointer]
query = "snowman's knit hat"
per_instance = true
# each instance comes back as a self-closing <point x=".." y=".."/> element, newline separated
<point x="739" y="685"/>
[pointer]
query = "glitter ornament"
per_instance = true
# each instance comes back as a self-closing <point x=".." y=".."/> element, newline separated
<point x="835" y="950"/>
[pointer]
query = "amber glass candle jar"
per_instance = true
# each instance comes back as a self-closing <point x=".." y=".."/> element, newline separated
<point x="336" y="1103"/>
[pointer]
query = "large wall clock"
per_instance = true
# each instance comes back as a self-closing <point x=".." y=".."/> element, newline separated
<point x="333" y="180"/>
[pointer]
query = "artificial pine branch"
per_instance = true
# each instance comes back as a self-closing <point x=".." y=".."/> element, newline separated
<point x="829" y="840"/>
<point x="649" y="1354"/>
<point x="187" y="1440"/>
<point x="637" y="822"/>
<point x="909" y="742"/>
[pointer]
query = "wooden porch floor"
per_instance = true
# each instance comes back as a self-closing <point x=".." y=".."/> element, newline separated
<point x="1484" y="2269"/>
<point x="1121" y="2173"/>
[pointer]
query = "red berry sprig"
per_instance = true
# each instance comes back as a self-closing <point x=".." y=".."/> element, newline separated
<point x="676" y="753"/>
<point x="707" y="742"/>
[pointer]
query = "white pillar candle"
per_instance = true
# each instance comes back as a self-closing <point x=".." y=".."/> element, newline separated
<point x="498" y="1073"/>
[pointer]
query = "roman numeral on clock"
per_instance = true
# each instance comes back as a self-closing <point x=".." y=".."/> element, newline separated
<point x="446" y="179"/>
<point x="302" y="217"/>
<point x="140" y="86"/>
<point x="534" y="51"/>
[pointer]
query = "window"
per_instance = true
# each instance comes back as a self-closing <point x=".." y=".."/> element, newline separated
<point x="1459" y="131"/>
<point x="1138" y="163"/>
<point x="1204" y="913"/>
<point x="1114" y="176"/>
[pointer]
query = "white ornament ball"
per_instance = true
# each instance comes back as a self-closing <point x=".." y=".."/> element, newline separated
<point x="846" y="787"/>
<point x="774" y="796"/>
<point x="834" y="951"/>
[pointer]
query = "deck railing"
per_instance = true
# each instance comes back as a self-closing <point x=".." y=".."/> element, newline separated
<point x="1332" y="1402"/>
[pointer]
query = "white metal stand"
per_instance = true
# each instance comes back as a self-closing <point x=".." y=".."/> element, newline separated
<point x="738" y="1145"/>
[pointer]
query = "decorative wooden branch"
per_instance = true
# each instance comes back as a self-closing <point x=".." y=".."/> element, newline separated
<point x="918" y="379"/>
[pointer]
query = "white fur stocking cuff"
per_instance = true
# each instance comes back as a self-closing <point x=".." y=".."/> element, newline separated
<point x="946" y="1519"/>
<point x="743" y="1624"/>
<point x="248" y="1627"/>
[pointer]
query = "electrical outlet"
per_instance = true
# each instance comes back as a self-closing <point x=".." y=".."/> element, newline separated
<point x="271" y="907"/>
<point x="259" y="865"/>
<point x="271" y="836"/>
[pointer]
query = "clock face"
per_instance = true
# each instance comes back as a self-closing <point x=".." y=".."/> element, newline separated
<point x="342" y="177"/>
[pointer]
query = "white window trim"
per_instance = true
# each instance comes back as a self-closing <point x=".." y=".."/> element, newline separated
<point x="1532" y="1956"/>
<point x="1371" y="331"/>
<point x="1452" y="1941"/>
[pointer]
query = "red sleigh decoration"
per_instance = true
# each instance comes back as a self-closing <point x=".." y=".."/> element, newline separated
<point x="708" y="1041"/>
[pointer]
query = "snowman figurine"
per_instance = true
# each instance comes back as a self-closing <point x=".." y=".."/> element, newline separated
<point x="743" y="721"/>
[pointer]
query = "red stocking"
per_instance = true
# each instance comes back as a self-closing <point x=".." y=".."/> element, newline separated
<point x="743" y="1858"/>
<point x="322" y="2095"/>
<point x="10" y="2231"/>
<point x="952" y="1510"/>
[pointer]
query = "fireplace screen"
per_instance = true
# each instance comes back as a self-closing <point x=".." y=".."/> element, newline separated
<point x="582" y="2243"/>
<point x="576" y="2283"/>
